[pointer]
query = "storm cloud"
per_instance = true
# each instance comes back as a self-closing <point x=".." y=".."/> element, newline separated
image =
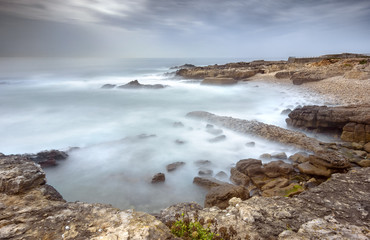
<point x="192" y="28"/>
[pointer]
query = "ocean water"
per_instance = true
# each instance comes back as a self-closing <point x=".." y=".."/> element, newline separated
<point x="122" y="137"/>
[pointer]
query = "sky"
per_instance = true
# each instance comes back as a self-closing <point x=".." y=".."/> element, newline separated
<point x="183" y="28"/>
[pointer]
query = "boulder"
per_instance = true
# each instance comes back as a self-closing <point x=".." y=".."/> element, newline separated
<point x="239" y="178"/>
<point x="48" y="158"/>
<point x="283" y="74"/>
<point x="158" y="178"/>
<point x="308" y="168"/>
<point x="205" y="172"/>
<point x="202" y="163"/>
<point x="299" y="157"/>
<point x="277" y="168"/>
<point x="173" y="166"/>
<point x="281" y="155"/>
<point x="250" y="167"/>
<point x="218" y="81"/>
<point x="250" y="144"/>
<point x="217" y="139"/>
<point x="220" y="196"/>
<point x="367" y="147"/>
<point x="207" y="182"/>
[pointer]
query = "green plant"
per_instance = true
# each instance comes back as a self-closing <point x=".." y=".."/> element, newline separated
<point x="186" y="229"/>
<point x="294" y="189"/>
<point x="364" y="61"/>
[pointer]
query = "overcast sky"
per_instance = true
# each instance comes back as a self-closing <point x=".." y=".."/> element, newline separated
<point x="183" y="28"/>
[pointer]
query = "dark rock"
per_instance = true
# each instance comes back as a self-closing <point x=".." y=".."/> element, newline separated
<point x="286" y="111"/>
<point x="108" y="86"/>
<point x="217" y="139"/>
<point x="283" y="74"/>
<point x="158" y="178"/>
<point x="209" y="126"/>
<point x="220" y="196"/>
<point x="48" y="158"/>
<point x="179" y="142"/>
<point x="281" y="155"/>
<point x="249" y="167"/>
<point x="205" y="172"/>
<point x="299" y="157"/>
<point x="299" y="78"/>
<point x="185" y="66"/>
<point x="310" y="169"/>
<point x="202" y="163"/>
<point x="173" y="166"/>
<point x="135" y="85"/>
<point x="208" y="182"/>
<point x="51" y="193"/>
<point x="250" y="144"/>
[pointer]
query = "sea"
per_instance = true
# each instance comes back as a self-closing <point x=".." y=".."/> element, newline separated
<point x="118" y="139"/>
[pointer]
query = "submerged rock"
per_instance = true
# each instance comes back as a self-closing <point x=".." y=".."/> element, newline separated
<point x="135" y="85"/>
<point x="217" y="139"/>
<point x="158" y="178"/>
<point x="108" y="86"/>
<point x="173" y="166"/>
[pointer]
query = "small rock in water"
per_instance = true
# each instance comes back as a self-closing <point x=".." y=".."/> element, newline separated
<point x="202" y="162"/>
<point x="209" y="126"/>
<point x="250" y="144"/>
<point x="221" y="175"/>
<point x="205" y="172"/>
<point x="108" y="86"/>
<point x="173" y="166"/>
<point x="265" y="156"/>
<point x="158" y="178"/>
<point x="179" y="142"/>
<point x="286" y="111"/>
<point x="178" y="124"/>
<point x="217" y="139"/>
<point x="281" y="155"/>
<point x="214" y="131"/>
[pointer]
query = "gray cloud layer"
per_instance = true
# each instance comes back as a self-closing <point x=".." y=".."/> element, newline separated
<point x="183" y="28"/>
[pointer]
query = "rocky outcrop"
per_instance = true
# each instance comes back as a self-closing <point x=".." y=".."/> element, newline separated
<point x="218" y="81"/>
<point x="352" y="121"/>
<point x="136" y="85"/>
<point x="31" y="209"/>
<point x="338" y="208"/>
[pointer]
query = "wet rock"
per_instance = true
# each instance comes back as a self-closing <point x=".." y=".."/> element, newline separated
<point x="286" y="111"/>
<point x="310" y="169"/>
<point x="299" y="157"/>
<point x="217" y="139"/>
<point x="364" y="163"/>
<point x="281" y="155"/>
<point x="178" y="124"/>
<point x="207" y="182"/>
<point x="220" y="196"/>
<point x="136" y="85"/>
<point x="214" y="131"/>
<point x="218" y="81"/>
<point x="221" y="175"/>
<point x="173" y="166"/>
<point x="250" y="144"/>
<point x="158" y="178"/>
<point x="367" y="147"/>
<point x="265" y="156"/>
<point x="108" y="86"/>
<point x="360" y="153"/>
<point x="286" y="191"/>
<point x="179" y="142"/>
<point x="239" y="178"/>
<point x="277" y="168"/>
<point x="145" y="136"/>
<point x="276" y="183"/>
<point x="205" y="172"/>
<point x="250" y="167"/>
<point x="202" y="163"/>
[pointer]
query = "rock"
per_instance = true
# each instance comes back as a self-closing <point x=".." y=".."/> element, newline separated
<point x="30" y="209"/>
<point x="158" y="178"/>
<point x="276" y="183"/>
<point x="205" y="172"/>
<point x="286" y="111"/>
<point x="221" y="175"/>
<point x="48" y="158"/>
<point x="173" y="166"/>
<point x="364" y="163"/>
<point x="203" y="163"/>
<point x="311" y="183"/>
<point x="360" y="153"/>
<point x="330" y="159"/>
<point x="281" y="155"/>
<point x="250" y="144"/>
<point x="220" y="196"/>
<point x="217" y="139"/>
<point x="185" y="66"/>
<point x="308" y="168"/>
<point x="208" y="182"/>
<point x="269" y="132"/>
<point x="299" y="78"/>
<point x="250" y="167"/>
<point x="283" y="74"/>
<point x="208" y="126"/>
<point x="367" y="147"/>
<point x="357" y="146"/>
<point x="239" y="178"/>
<point x="108" y="86"/>
<point x="136" y="85"/>
<point x="299" y="157"/>
<point x="277" y="168"/>
<point x="178" y="124"/>
<point x="287" y="191"/>
<point x="265" y="156"/>
<point x="218" y="81"/>
<point x="179" y="142"/>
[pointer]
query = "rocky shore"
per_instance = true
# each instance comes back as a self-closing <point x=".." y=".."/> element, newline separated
<point x="320" y="192"/>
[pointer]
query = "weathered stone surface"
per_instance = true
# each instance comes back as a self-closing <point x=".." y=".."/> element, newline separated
<point x="173" y="166"/>
<point x="207" y="182"/>
<point x="249" y="167"/>
<point x="47" y="158"/>
<point x="299" y="157"/>
<point x="218" y="81"/>
<point x="310" y="169"/>
<point x="30" y="209"/>
<point x="220" y="196"/>
<point x="277" y="168"/>
<point x="239" y="178"/>
<point x="158" y="178"/>
<point x="337" y="207"/>
<point x="136" y="85"/>
<point x="281" y="155"/>
<point x="283" y="74"/>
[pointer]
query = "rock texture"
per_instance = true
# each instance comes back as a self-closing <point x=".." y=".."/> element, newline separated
<point x="337" y="209"/>
<point x="31" y="209"/>
<point x="352" y="121"/>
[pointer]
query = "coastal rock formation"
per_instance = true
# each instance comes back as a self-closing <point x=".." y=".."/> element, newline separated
<point x="338" y="208"/>
<point x="135" y="85"/>
<point x="352" y="121"/>
<point x="218" y="81"/>
<point x="31" y="209"/>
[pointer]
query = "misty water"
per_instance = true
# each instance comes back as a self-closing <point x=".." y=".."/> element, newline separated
<point x="120" y="138"/>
